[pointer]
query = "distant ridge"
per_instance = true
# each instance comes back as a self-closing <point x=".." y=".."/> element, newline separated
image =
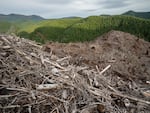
<point x="19" y="18"/>
<point x="145" y="15"/>
<point x="71" y="17"/>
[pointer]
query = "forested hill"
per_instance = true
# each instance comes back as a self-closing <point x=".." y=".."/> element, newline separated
<point x="86" y="29"/>
<point x="145" y="15"/>
<point x="73" y="29"/>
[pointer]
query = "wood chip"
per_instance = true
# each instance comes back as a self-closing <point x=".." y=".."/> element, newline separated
<point x="47" y="86"/>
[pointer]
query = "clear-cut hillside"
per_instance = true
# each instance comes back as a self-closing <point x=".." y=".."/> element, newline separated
<point x="108" y="75"/>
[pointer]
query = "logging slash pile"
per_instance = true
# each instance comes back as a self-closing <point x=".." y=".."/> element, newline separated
<point x="108" y="75"/>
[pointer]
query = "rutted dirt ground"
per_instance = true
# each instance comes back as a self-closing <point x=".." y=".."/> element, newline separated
<point x="108" y="75"/>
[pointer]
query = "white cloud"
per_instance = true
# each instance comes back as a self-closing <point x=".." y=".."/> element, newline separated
<point x="62" y="8"/>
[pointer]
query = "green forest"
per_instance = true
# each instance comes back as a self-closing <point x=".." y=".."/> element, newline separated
<point x="85" y="29"/>
<point x="74" y="29"/>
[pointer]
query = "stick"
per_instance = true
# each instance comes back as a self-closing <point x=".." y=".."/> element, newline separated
<point x="17" y="106"/>
<point x="11" y="106"/>
<point x="53" y="110"/>
<point x="50" y="96"/>
<point x="48" y="86"/>
<point x="67" y="57"/>
<point x="34" y="45"/>
<point x="29" y="109"/>
<point x="4" y="39"/>
<point x="148" y="82"/>
<point x="42" y="59"/>
<point x="100" y="73"/>
<point x="97" y="92"/>
<point x="126" y="96"/>
<point x="7" y="96"/>
<point x="17" y="89"/>
<point x="46" y="78"/>
<point x="55" y="64"/>
<point x="26" y="57"/>
<point x="105" y="69"/>
<point x="5" y="47"/>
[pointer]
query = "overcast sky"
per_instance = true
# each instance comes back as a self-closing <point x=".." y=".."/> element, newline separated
<point x="65" y="8"/>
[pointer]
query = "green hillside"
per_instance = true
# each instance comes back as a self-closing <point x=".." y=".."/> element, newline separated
<point x="73" y="30"/>
<point x="145" y="15"/>
<point x="47" y="29"/>
<point x="62" y="23"/>
<point x="12" y="23"/>
<point x="5" y="26"/>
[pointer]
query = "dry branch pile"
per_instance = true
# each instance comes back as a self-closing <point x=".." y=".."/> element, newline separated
<point x="34" y="81"/>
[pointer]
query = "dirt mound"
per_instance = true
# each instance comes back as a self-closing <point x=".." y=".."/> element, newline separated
<point x="129" y="55"/>
<point x="124" y="42"/>
<point x="108" y="75"/>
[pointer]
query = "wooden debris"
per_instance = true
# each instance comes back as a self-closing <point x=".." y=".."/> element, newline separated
<point x="105" y="69"/>
<point x="55" y="71"/>
<point x="6" y="47"/>
<point x="148" y="82"/>
<point x="47" y="86"/>
<point x="101" y="108"/>
<point x="64" y="94"/>
<point x="127" y="102"/>
<point x="61" y="86"/>
<point x="129" y="97"/>
<point x="146" y="93"/>
<point x="65" y="58"/>
<point x="85" y="111"/>
<point x="5" y="40"/>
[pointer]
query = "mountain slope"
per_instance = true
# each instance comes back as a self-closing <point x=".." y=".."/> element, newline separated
<point x="88" y="28"/>
<point x="19" y="18"/>
<point x="4" y="26"/>
<point x="13" y="22"/>
<point x="145" y="15"/>
<point x="72" y="29"/>
<point x="62" y="23"/>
